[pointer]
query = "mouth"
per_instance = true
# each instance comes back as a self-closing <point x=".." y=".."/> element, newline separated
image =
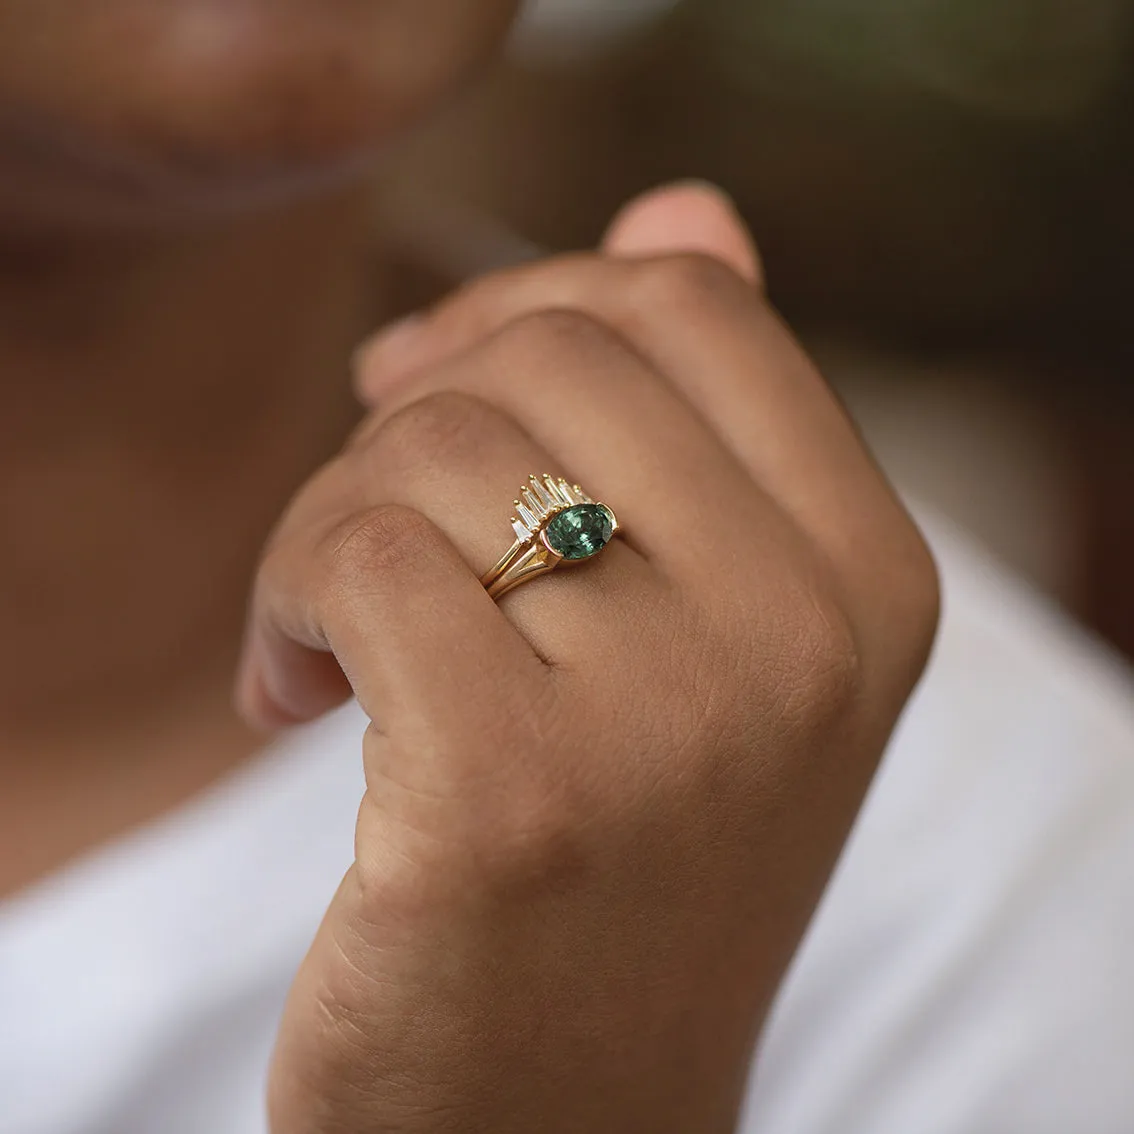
<point x="50" y="166"/>
<point x="145" y="110"/>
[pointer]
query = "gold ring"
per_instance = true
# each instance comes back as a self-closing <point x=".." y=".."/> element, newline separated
<point x="555" y="523"/>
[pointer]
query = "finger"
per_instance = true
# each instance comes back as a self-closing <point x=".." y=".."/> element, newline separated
<point x="577" y="387"/>
<point x="693" y="217"/>
<point x="461" y="461"/>
<point x="390" y="598"/>
<point x="726" y="352"/>
<point x="688" y="217"/>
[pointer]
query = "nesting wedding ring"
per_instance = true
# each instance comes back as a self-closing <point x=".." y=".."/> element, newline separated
<point x="556" y="524"/>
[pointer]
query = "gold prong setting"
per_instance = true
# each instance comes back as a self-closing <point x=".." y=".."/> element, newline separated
<point x="542" y="499"/>
<point x="555" y="523"/>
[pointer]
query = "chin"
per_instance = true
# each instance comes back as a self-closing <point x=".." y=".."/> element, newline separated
<point x="140" y="109"/>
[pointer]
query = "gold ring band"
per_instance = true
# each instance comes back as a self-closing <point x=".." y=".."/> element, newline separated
<point x="555" y="523"/>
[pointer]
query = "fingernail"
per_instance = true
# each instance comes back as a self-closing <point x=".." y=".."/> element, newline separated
<point x="250" y="696"/>
<point x="399" y="338"/>
<point x="385" y="356"/>
<point x="705" y="186"/>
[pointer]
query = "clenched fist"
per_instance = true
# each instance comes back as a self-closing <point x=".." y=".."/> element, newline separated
<point x="599" y="814"/>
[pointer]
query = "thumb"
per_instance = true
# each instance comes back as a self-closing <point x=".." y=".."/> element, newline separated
<point x="691" y="216"/>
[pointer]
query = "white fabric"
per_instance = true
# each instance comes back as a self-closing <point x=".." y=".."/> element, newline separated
<point x="970" y="971"/>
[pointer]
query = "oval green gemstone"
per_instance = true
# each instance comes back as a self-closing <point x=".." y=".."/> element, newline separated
<point x="580" y="532"/>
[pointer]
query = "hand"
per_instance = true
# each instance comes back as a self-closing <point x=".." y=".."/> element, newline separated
<point x="599" y="815"/>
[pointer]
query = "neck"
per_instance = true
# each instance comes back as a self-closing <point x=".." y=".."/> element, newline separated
<point x="162" y="398"/>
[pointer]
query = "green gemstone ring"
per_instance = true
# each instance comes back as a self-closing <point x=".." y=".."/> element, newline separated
<point x="555" y="523"/>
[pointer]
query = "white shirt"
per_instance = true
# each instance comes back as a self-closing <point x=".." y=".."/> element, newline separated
<point x="971" y="970"/>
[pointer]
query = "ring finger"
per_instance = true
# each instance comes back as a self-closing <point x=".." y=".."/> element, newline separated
<point x="461" y="462"/>
<point x="578" y="389"/>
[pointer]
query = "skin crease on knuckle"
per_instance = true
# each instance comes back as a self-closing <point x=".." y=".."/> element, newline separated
<point x="634" y="291"/>
<point x="679" y="286"/>
<point x="555" y="340"/>
<point x="352" y="1081"/>
<point x="477" y="304"/>
<point x="471" y="811"/>
<point x="446" y="425"/>
<point x="372" y="549"/>
<point x="532" y="340"/>
<point x="823" y="694"/>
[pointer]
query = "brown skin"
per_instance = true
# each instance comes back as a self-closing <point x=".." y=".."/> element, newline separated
<point x="130" y="110"/>
<point x="177" y="310"/>
<point x="599" y="816"/>
<point x="161" y="400"/>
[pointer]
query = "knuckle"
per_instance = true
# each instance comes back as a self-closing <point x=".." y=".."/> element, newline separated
<point x="449" y="422"/>
<point x="554" y="331"/>
<point x="919" y="601"/>
<point x="532" y="824"/>
<point x="686" y="282"/>
<point x="527" y="851"/>
<point x="388" y="538"/>
<point x="826" y="667"/>
<point x="445" y="819"/>
<point x="435" y="853"/>
<point x="401" y="878"/>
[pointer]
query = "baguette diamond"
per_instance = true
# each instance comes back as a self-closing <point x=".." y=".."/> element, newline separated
<point x="542" y="495"/>
<point x="555" y="523"/>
